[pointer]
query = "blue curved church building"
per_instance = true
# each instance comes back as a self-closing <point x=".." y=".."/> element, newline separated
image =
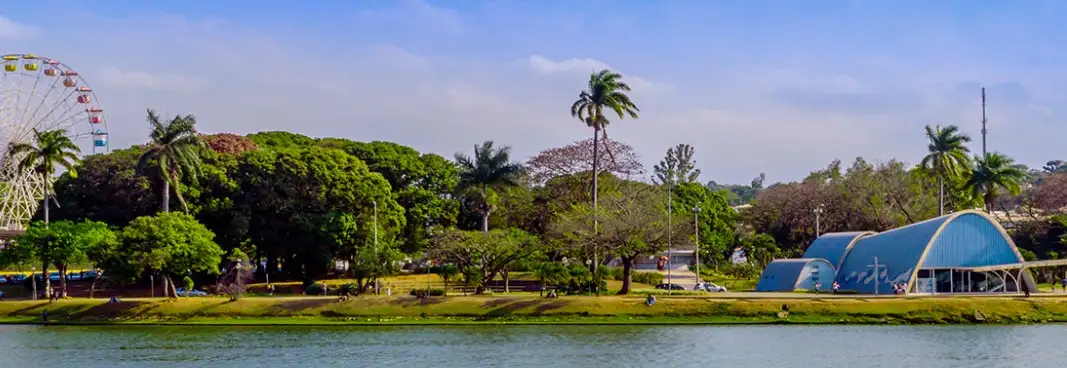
<point x="963" y="252"/>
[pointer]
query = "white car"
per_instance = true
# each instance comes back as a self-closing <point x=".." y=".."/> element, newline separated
<point x="710" y="287"/>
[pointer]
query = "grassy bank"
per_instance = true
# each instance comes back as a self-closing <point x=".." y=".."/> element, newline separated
<point x="533" y="310"/>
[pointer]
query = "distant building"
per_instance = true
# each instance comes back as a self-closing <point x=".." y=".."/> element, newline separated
<point x="962" y="252"/>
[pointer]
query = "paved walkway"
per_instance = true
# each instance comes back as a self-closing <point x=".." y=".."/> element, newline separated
<point x="680" y="275"/>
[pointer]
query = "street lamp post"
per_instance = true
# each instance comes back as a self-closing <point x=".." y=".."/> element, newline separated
<point x="375" y="239"/>
<point x="669" y="214"/>
<point x="818" y="211"/>
<point x="696" y="238"/>
<point x="33" y="281"/>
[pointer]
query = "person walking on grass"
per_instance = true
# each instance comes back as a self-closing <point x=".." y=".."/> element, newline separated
<point x="835" y="287"/>
<point x="1063" y="284"/>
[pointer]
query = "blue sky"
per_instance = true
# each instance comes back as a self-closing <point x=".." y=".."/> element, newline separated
<point x="781" y="87"/>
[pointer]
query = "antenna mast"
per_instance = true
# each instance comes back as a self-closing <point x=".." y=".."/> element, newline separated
<point x="984" y="131"/>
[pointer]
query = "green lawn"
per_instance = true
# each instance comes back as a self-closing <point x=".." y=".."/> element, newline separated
<point x="531" y="309"/>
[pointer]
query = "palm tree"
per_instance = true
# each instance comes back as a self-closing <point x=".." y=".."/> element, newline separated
<point x="992" y="172"/>
<point x="606" y="90"/>
<point x="174" y="146"/>
<point x="489" y="168"/>
<point x="947" y="157"/>
<point x="50" y="150"/>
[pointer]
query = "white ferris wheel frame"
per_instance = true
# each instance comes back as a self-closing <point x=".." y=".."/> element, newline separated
<point x="41" y="102"/>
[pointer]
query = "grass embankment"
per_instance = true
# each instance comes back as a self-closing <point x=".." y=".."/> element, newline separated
<point x="533" y="310"/>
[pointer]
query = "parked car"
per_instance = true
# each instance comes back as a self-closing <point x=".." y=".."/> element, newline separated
<point x="710" y="287"/>
<point x="54" y="276"/>
<point x="19" y="278"/>
<point x="669" y="287"/>
<point x="194" y="292"/>
<point x="74" y="276"/>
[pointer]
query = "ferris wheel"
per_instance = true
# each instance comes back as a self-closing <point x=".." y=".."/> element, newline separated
<point x="40" y="93"/>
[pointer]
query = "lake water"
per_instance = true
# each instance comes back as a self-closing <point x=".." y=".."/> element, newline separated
<point x="535" y="346"/>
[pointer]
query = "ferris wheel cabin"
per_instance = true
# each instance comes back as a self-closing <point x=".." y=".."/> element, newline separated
<point x="99" y="138"/>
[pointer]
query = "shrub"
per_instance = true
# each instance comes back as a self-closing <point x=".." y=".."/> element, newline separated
<point x="648" y="278"/>
<point x="313" y="289"/>
<point x="348" y="288"/>
<point x="613" y="273"/>
<point x="187" y="282"/>
<point x="433" y="292"/>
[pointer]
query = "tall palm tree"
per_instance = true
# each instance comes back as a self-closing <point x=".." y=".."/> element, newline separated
<point x="605" y="91"/>
<point x="175" y="147"/>
<point x="50" y="150"/>
<point x="992" y="172"/>
<point x="947" y="156"/>
<point x="490" y="168"/>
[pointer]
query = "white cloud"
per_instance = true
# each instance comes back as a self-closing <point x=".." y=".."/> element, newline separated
<point x="10" y="30"/>
<point x="440" y="82"/>
<point x="543" y="65"/>
<point x="152" y="82"/>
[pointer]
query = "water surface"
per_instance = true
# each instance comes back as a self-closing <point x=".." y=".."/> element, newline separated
<point x="535" y="346"/>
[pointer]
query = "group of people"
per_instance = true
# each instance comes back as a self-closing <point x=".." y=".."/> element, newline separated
<point x="900" y="288"/>
<point x="1063" y="285"/>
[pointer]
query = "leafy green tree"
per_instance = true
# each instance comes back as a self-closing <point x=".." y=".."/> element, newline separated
<point x="107" y="188"/>
<point x="993" y="172"/>
<point x="551" y="273"/>
<point x="447" y="273"/>
<point x="480" y="176"/>
<point x="61" y="244"/>
<point x="175" y="149"/>
<point x="947" y="157"/>
<point x="171" y="243"/>
<point x="633" y="224"/>
<point x="422" y="183"/>
<point x="351" y="240"/>
<point x="281" y="141"/>
<point x="716" y="219"/>
<point x="50" y="150"/>
<point x="741" y="194"/>
<point x="281" y="193"/>
<point x="489" y="253"/>
<point x="677" y="166"/>
<point x="604" y="91"/>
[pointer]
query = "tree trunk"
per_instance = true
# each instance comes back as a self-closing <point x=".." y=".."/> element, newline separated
<point x="989" y="198"/>
<point x="507" y="289"/>
<point x="166" y="291"/>
<point x="172" y="288"/>
<point x="92" y="287"/>
<point x="485" y="221"/>
<point x="596" y="179"/>
<point x="166" y="195"/>
<point x="62" y="281"/>
<point x="47" y="281"/>
<point x="940" y="195"/>
<point x="45" y="202"/>
<point x="627" y="275"/>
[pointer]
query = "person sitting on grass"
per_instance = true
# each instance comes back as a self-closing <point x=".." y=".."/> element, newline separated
<point x="650" y="300"/>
